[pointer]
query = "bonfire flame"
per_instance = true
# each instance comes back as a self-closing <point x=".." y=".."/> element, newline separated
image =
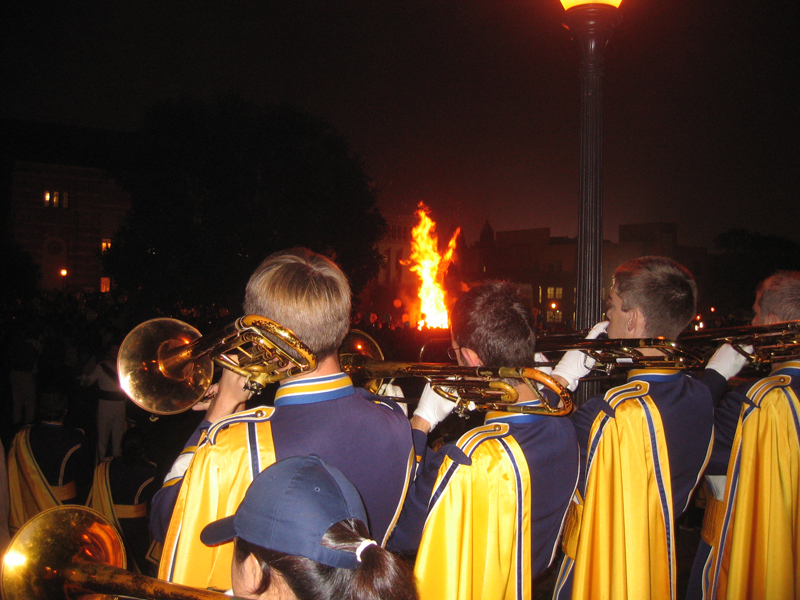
<point x="430" y="267"/>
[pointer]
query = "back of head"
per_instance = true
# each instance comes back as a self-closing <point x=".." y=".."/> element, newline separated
<point x="780" y="295"/>
<point x="305" y="292"/>
<point x="51" y="405"/>
<point x="133" y="445"/>
<point x="496" y="321"/>
<point x="663" y="290"/>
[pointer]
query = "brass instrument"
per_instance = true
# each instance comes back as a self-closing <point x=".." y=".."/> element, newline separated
<point x="165" y="365"/>
<point x="69" y="552"/>
<point x="774" y="343"/>
<point x="771" y="344"/>
<point x="622" y="354"/>
<point x="471" y="388"/>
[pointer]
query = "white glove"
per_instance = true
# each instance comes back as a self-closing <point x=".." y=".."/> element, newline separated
<point x="540" y="358"/>
<point x="390" y="390"/>
<point x="575" y="364"/>
<point x="432" y="407"/>
<point x="727" y="361"/>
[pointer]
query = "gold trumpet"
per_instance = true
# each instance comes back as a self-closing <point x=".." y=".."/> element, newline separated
<point x="69" y="552"/>
<point x="165" y="366"/>
<point x="471" y="388"/>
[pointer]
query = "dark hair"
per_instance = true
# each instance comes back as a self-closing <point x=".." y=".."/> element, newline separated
<point x="132" y="446"/>
<point x="497" y="322"/>
<point x="780" y="295"/>
<point x="663" y="290"/>
<point x="380" y="576"/>
<point x="51" y="405"/>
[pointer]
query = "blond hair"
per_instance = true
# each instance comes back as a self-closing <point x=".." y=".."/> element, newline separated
<point x="305" y="292"/>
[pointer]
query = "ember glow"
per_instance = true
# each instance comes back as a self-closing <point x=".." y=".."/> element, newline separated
<point x="426" y="262"/>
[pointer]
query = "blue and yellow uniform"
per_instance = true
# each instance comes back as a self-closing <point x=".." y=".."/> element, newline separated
<point x="48" y="465"/>
<point x="366" y="437"/>
<point x="122" y="491"/>
<point x="750" y="544"/>
<point x="644" y="446"/>
<point x="487" y="511"/>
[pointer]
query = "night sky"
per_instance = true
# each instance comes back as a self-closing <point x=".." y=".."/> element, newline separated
<point x="469" y="105"/>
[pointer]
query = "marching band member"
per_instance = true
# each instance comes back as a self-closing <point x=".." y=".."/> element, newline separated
<point x="49" y="463"/>
<point x="493" y="503"/>
<point x="319" y="412"/>
<point x="122" y="490"/>
<point x="643" y="446"/>
<point x="750" y="546"/>
<point x="300" y="533"/>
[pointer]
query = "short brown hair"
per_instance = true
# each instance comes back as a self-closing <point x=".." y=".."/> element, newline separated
<point x="663" y="290"/>
<point x="780" y="295"/>
<point x="305" y="292"/>
<point x="497" y="322"/>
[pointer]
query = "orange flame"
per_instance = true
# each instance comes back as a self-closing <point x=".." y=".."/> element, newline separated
<point x="430" y="267"/>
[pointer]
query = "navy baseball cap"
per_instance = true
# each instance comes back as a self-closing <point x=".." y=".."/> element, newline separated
<point x="289" y="507"/>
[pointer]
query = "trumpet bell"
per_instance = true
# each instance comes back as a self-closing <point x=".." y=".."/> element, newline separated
<point x="50" y="544"/>
<point x="144" y="367"/>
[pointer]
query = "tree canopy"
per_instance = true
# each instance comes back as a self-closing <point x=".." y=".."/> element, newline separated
<point x="216" y="187"/>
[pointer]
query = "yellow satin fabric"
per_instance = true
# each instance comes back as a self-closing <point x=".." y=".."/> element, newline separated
<point x="477" y="538"/>
<point x="213" y="487"/>
<point x="619" y="537"/>
<point x="100" y="497"/>
<point x="28" y="489"/>
<point x="756" y="553"/>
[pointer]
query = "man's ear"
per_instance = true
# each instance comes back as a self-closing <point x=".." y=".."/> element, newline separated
<point x="772" y="318"/>
<point x="635" y="327"/>
<point x="471" y="358"/>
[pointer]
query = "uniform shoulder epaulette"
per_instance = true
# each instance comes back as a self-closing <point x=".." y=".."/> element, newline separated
<point x="254" y="415"/>
<point x="764" y="386"/>
<point x="470" y="441"/>
<point x="628" y="391"/>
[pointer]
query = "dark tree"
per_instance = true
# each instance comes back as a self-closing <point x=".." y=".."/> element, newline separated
<point x="217" y="187"/>
<point x="21" y="276"/>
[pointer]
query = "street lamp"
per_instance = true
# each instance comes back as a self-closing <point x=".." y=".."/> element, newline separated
<point x="63" y="273"/>
<point x="591" y="24"/>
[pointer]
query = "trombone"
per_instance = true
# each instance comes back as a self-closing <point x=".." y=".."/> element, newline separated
<point x="774" y="343"/>
<point x="165" y="366"/>
<point x="70" y="551"/>
<point x="471" y="388"/>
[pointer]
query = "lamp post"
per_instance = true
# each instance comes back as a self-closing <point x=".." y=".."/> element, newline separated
<point x="591" y="24"/>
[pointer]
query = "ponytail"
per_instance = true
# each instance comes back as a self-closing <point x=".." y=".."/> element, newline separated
<point x="380" y="574"/>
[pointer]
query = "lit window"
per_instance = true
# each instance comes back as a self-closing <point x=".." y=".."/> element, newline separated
<point x="551" y="293"/>
<point x="55" y="199"/>
<point x="105" y="284"/>
<point x="555" y="316"/>
<point x="47" y="198"/>
<point x="559" y="293"/>
<point x="106" y="244"/>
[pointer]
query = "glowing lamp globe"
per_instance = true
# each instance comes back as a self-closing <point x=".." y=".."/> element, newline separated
<point x="572" y="3"/>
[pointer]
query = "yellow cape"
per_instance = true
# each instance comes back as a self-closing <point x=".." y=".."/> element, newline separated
<point x="477" y="538"/>
<point x="29" y="491"/>
<point x="213" y="487"/>
<point x="755" y="537"/>
<point x="619" y="540"/>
